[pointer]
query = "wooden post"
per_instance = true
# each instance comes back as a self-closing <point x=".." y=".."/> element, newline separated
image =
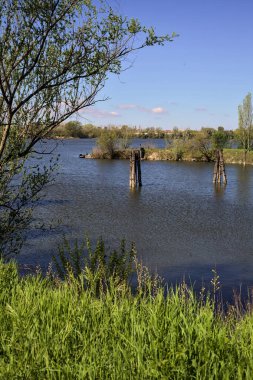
<point x="132" y="170"/>
<point x="138" y="168"/>
<point x="219" y="168"/>
<point x="216" y="167"/>
<point x="222" y="167"/>
<point x="135" y="169"/>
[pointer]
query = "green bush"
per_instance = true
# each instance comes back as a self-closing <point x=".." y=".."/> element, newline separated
<point x="108" y="143"/>
<point x="95" y="268"/>
<point x="178" y="147"/>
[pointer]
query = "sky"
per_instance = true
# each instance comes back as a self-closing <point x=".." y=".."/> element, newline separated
<point x="198" y="80"/>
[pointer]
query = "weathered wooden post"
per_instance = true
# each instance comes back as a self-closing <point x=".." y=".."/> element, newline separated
<point x="216" y="166"/>
<point x="219" y="168"/>
<point x="222" y="166"/>
<point x="219" y="139"/>
<point x="132" y="170"/>
<point x="138" y="171"/>
<point x="135" y="169"/>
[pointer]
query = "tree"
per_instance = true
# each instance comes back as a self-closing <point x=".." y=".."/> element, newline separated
<point x="91" y="131"/>
<point x="125" y="137"/>
<point x="74" y="128"/>
<point x="55" y="57"/>
<point x="176" y="133"/>
<point x="108" y="142"/>
<point x="188" y="134"/>
<point x="244" y="131"/>
<point x="200" y="145"/>
<point x="219" y="139"/>
<point x="178" y="148"/>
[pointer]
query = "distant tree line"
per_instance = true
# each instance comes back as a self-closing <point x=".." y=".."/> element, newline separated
<point x="200" y="143"/>
<point x="76" y="129"/>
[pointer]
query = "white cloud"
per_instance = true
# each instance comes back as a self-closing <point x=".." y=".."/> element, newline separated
<point x="158" y="110"/>
<point x="130" y="106"/>
<point x="100" y="114"/>
<point x="113" y="113"/>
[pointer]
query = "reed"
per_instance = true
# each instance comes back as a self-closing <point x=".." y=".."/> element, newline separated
<point x="57" y="330"/>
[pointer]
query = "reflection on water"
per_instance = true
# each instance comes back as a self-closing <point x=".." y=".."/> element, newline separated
<point x="219" y="190"/>
<point x="181" y="223"/>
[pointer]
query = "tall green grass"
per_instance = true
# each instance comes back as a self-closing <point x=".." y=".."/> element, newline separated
<point x="54" y="329"/>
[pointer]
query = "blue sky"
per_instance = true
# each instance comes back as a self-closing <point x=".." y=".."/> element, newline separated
<point x="197" y="80"/>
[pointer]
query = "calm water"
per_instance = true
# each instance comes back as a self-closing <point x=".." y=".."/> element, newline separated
<point x="182" y="226"/>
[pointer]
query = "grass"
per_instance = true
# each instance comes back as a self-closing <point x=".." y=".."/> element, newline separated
<point x="237" y="156"/>
<point x="52" y="329"/>
<point x="231" y="156"/>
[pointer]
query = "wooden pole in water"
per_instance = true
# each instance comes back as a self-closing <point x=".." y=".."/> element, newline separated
<point x="138" y="164"/>
<point x="135" y="169"/>
<point x="222" y="166"/>
<point x="216" y="167"/>
<point x="219" y="168"/>
<point x="132" y="170"/>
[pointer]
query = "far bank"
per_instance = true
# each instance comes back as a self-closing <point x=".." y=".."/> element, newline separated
<point x="231" y="156"/>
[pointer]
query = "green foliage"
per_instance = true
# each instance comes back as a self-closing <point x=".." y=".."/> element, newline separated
<point x="176" y="133"/>
<point x="125" y="135"/>
<point x="233" y="156"/>
<point x="56" y="330"/>
<point x="74" y="128"/>
<point x="20" y="188"/>
<point x="219" y="138"/>
<point x="244" y="131"/>
<point x="196" y="146"/>
<point x="201" y="145"/>
<point x="236" y="156"/>
<point x="8" y="280"/>
<point x="95" y="268"/>
<point x="178" y="148"/>
<point x="108" y="142"/>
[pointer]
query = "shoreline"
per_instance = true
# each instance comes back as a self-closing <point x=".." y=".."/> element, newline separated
<point x="231" y="156"/>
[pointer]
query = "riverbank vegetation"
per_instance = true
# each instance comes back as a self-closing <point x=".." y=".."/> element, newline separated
<point x="187" y="145"/>
<point x="199" y="147"/>
<point x="231" y="156"/>
<point x="69" y="329"/>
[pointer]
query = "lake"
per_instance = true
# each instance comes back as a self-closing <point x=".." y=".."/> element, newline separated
<point x="182" y="225"/>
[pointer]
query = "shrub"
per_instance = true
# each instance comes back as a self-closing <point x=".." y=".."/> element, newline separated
<point x="108" y="143"/>
<point x="95" y="267"/>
